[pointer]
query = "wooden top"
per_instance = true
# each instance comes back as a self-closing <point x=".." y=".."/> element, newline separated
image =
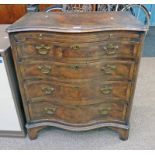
<point x="4" y="40"/>
<point x="77" y="22"/>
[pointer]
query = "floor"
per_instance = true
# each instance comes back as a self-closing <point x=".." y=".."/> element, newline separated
<point x="142" y="135"/>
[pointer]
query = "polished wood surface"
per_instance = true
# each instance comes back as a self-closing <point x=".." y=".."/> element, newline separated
<point x="89" y="91"/>
<point x="77" y="22"/>
<point x="76" y="50"/>
<point x="80" y="37"/>
<point x="9" y="13"/>
<point x="77" y="80"/>
<point x="109" y="112"/>
<point x="109" y="70"/>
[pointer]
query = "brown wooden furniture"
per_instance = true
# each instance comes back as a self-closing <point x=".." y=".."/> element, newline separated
<point x="77" y="71"/>
<point x="9" y="13"/>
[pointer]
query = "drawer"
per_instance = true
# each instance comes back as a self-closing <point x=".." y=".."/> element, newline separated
<point x="78" y="37"/>
<point x="77" y="93"/>
<point x="105" y="112"/>
<point x="81" y="51"/>
<point x="109" y="70"/>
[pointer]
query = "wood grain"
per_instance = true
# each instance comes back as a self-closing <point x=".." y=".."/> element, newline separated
<point x="77" y="22"/>
<point x="108" y="70"/>
<point x="77" y="80"/>
<point x="9" y="13"/>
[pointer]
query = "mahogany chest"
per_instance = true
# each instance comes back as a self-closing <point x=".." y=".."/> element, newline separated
<point x="77" y="71"/>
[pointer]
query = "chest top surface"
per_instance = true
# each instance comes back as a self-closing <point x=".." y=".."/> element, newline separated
<point x="77" y="22"/>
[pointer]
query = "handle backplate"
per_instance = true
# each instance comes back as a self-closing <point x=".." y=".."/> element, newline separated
<point x="50" y="110"/>
<point x="105" y="111"/>
<point x="45" y="69"/>
<point x="106" y="90"/>
<point x="75" y="47"/>
<point x="108" y="69"/>
<point x="47" y="90"/>
<point x="42" y="49"/>
<point x="110" y="49"/>
<point x="75" y="66"/>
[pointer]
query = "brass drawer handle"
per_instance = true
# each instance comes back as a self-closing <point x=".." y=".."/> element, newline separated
<point x="75" y="66"/>
<point x="75" y="47"/>
<point x="108" y="69"/>
<point x="106" y="90"/>
<point x="105" y="111"/>
<point x="50" y="111"/>
<point x="43" y="52"/>
<point x="47" y="90"/>
<point x="45" y="69"/>
<point x="110" y="49"/>
<point x="42" y="49"/>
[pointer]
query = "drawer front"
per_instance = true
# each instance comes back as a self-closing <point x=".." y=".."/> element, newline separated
<point x="109" y="70"/>
<point x="74" y="38"/>
<point x="105" y="112"/>
<point x="80" y="93"/>
<point x="81" y="51"/>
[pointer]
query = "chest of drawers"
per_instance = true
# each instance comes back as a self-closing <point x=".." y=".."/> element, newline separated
<point x="77" y="71"/>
